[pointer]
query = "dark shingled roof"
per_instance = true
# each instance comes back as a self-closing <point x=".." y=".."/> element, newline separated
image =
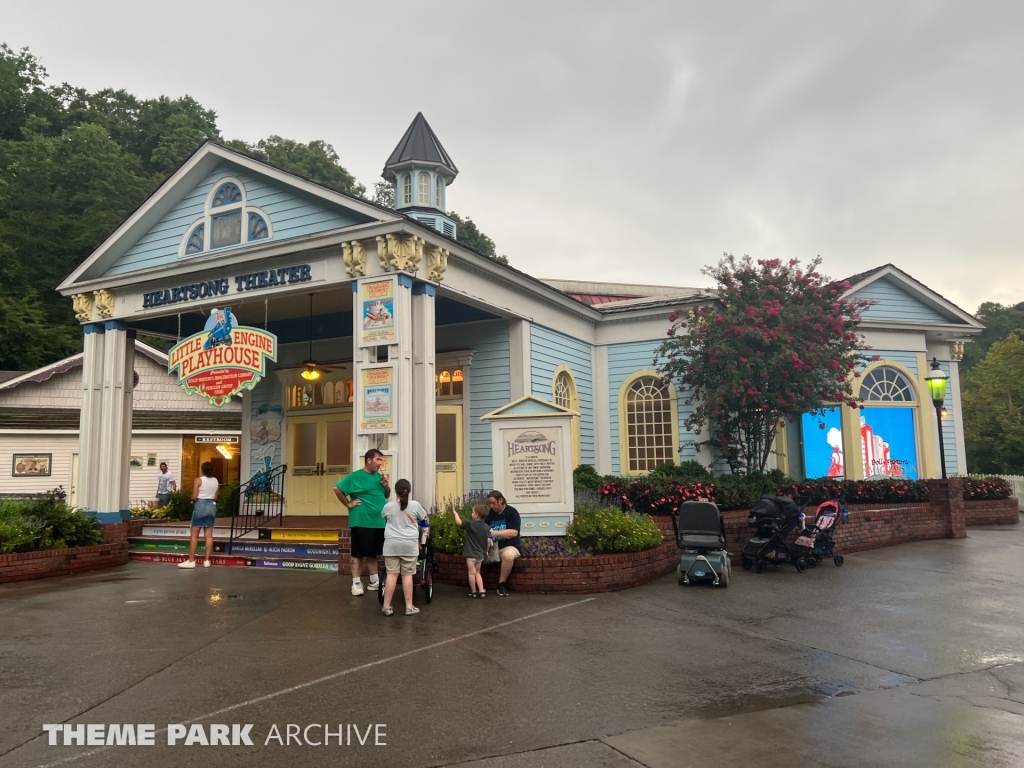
<point x="68" y="418"/>
<point x="420" y="143"/>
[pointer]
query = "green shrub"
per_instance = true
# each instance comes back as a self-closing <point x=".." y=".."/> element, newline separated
<point x="689" y="471"/>
<point x="179" y="505"/>
<point x="585" y="478"/>
<point x="227" y="500"/>
<point x="606" y="529"/>
<point x="45" y="522"/>
<point x="446" y="535"/>
<point x="978" y="488"/>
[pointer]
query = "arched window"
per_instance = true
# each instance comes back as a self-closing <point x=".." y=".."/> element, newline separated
<point x="648" y="424"/>
<point x="424" y="189"/>
<point x="887" y="385"/>
<point x="227" y="220"/>
<point x="438" y="191"/>
<point x="407" y="189"/>
<point x="563" y="392"/>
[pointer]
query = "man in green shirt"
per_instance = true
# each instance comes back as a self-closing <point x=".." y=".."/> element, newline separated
<point x="365" y="492"/>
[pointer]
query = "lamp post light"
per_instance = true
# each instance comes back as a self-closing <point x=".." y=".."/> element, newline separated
<point x="937" y="380"/>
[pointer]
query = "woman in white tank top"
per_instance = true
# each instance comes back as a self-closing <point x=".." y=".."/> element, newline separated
<point x="204" y="514"/>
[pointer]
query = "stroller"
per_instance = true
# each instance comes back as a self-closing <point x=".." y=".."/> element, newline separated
<point x="700" y="534"/>
<point x="817" y="541"/>
<point x="425" y="565"/>
<point x="775" y="517"/>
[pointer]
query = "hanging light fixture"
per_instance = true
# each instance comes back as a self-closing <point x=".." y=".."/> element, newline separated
<point x="313" y="369"/>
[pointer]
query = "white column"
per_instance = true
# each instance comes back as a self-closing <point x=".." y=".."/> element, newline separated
<point x="401" y="354"/>
<point x="113" y="458"/>
<point x="124" y="502"/>
<point x="520" y="361"/>
<point x="91" y="416"/>
<point x="602" y="412"/>
<point x="424" y="420"/>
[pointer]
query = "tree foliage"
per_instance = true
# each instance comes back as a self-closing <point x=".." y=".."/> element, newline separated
<point x="1000" y="321"/>
<point x="778" y="341"/>
<point x="73" y="165"/>
<point x="993" y="405"/>
<point x="469" y="234"/>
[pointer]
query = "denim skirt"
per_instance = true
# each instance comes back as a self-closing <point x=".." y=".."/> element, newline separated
<point x="204" y="513"/>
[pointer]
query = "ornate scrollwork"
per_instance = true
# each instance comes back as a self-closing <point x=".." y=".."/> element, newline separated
<point x="406" y="252"/>
<point x="354" y="254"/>
<point x="956" y="350"/>
<point x="104" y="303"/>
<point x="82" y="303"/>
<point x="437" y="263"/>
<point x="387" y="258"/>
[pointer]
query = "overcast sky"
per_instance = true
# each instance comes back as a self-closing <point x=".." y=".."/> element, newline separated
<point x="625" y="141"/>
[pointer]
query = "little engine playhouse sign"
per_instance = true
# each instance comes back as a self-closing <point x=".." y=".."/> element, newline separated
<point x="222" y="359"/>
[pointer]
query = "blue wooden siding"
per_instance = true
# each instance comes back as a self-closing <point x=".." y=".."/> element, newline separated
<point x="894" y="303"/>
<point x="623" y="361"/>
<point x="490" y="387"/>
<point x="948" y="426"/>
<point x="291" y="213"/>
<point x="550" y="349"/>
<point x="906" y="359"/>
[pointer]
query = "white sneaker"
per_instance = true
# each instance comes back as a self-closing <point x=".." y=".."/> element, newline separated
<point x="375" y="585"/>
<point x="357" y="588"/>
<point x="207" y="563"/>
<point x="187" y="564"/>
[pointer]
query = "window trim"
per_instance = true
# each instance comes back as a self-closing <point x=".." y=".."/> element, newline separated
<point x="624" y="470"/>
<point x="574" y="405"/>
<point x="438" y="191"/>
<point x="919" y="418"/>
<point x="210" y="212"/>
<point x="407" y="189"/>
<point x="423" y="189"/>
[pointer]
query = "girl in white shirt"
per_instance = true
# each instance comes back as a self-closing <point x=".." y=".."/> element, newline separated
<point x="401" y="544"/>
<point x="204" y="514"/>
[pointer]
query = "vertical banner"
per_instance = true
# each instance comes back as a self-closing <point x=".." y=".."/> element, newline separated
<point x="377" y="400"/>
<point x="376" y="312"/>
<point x="823" y="444"/>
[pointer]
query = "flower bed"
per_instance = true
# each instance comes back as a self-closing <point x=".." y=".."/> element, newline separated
<point x="39" y="564"/>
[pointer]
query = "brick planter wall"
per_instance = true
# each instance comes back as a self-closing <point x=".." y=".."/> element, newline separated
<point x="992" y="512"/>
<point x="57" y="562"/>
<point x="601" y="573"/>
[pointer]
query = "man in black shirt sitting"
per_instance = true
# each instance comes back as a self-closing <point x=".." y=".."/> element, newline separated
<point x="504" y="523"/>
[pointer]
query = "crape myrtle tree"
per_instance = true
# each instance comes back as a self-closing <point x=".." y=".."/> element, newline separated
<point x="779" y="341"/>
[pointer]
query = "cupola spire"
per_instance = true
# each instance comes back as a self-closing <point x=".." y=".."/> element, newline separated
<point x="421" y="170"/>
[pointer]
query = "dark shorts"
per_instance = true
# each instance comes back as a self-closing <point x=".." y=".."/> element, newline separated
<point x="367" y="542"/>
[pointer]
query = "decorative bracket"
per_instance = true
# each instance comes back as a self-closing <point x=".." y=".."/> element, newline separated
<point x="956" y="350"/>
<point x="354" y="254"/>
<point x="104" y="303"/>
<point x="400" y="252"/>
<point x="437" y="263"/>
<point x="82" y="303"/>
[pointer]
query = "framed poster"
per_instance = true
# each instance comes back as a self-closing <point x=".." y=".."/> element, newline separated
<point x="531" y="462"/>
<point x="31" y="465"/>
<point x="888" y="441"/>
<point x="823" y="444"/>
<point x="377" y="399"/>
<point x="376" y="312"/>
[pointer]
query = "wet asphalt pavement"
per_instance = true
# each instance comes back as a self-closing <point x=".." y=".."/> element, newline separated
<point x="910" y="656"/>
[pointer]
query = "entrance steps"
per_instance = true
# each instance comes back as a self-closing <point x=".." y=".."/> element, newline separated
<point x="289" y="547"/>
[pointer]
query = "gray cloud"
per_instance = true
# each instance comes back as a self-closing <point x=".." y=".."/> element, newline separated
<point x="627" y="141"/>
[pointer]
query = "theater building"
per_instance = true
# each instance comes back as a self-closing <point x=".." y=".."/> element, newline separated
<point x="391" y="334"/>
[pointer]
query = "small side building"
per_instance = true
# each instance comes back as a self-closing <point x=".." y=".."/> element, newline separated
<point x="39" y="429"/>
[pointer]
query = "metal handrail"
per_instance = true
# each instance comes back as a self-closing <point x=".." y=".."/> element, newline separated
<point x="257" y="503"/>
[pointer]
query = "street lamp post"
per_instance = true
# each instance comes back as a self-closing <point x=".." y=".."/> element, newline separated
<point x="937" y="380"/>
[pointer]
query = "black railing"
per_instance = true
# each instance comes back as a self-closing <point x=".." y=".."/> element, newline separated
<point x="258" y="503"/>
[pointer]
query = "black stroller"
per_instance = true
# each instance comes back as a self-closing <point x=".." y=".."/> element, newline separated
<point x="700" y="534"/>
<point x="818" y="540"/>
<point x="775" y="517"/>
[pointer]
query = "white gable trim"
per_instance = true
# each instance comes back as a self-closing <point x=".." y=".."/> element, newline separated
<point x="182" y="181"/>
<point x="921" y="292"/>
<point x="47" y="372"/>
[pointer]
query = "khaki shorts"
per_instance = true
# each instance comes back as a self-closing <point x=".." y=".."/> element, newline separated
<point x="510" y="553"/>
<point x="404" y="565"/>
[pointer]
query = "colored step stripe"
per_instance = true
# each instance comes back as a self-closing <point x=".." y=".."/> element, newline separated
<point x="220" y="560"/>
<point x="297" y="534"/>
<point x="183" y="532"/>
<point x="283" y="550"/>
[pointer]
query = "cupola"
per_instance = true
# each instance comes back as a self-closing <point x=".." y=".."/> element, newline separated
<point x="421" y="170"/>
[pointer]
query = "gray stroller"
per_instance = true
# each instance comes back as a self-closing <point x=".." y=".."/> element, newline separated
<point x="700" y="534"/>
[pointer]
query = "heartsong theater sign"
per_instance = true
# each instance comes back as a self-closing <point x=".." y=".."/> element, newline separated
<point x="222" y="359"/>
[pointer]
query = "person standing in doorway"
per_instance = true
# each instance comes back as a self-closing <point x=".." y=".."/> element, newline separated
<point x="365" y="492"/>
<point x="504" y="522"/>
<point x="204" y="514"/>
<point x="165" y="483"/>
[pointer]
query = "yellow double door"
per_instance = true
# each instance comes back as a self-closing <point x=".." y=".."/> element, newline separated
<point x="321" y="453"/>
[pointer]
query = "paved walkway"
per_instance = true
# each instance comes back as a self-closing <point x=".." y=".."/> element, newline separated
<point x="909" y="656"/>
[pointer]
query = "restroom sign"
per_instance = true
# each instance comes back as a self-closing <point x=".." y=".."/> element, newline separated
<point x="223" y="359"/>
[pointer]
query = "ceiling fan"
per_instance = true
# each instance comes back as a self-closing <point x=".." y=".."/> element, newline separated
<point x="313" y="368"/>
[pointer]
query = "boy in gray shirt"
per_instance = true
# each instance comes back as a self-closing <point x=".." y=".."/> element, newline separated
<point x="478" y="541"/>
